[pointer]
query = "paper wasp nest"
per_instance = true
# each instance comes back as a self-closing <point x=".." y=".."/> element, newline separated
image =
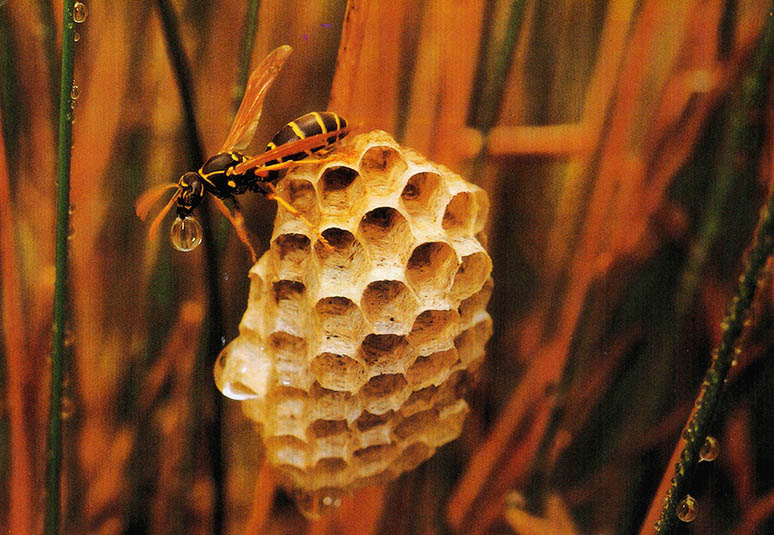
<point x="353" y="359"/>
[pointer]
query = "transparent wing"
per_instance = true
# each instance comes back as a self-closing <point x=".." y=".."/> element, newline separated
<point x="246" y="120"/>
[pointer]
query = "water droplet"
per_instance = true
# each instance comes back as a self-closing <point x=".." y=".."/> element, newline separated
<point x="68" y="408"/>
<point x="186" y="234"/>
<point x="71" y="209"/>
<point x="709" y="450"/>
<point x="73" y="104"/>
<point x="75" y="92"/>
<point x="686" y="509"/>
<point x="68" y="338"/>
<point x="70" y="231"/>
<point x="76" y="37"/>
<point x="314" y="505"/>
<point x="231" y="374"/>
<point x="80" y="12"/>
<point x="686" y="434"/>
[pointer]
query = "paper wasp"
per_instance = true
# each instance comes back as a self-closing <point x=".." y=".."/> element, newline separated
<point x="229" y="172"/>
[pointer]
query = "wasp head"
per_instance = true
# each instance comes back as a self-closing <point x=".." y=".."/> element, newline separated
<point x="191" y="193"/>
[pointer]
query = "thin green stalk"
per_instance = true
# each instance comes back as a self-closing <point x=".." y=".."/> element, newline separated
<point x="46" y="13"/>
<point x="54" y="449"/>
<point x="248" y="40"/>
<point x="214" y="331"/>
<point x="708" y="401"/>
<point x="489" y="105"/>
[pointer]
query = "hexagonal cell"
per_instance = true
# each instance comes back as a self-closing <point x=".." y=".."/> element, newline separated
<point x="433" y="330"/>
<point x="339" y="322"/>
<point x="285" y="413"/>
<point x="386" y="236"/>
<point x="415" y="424"/>
<point x="419" y="400"/>
<point x="449" y="424"/>
<point x="471" y="343"/>
<point x="288" y="302"/>
<point x="328" y="466"/>
<point x="381" y="167"/>
<point x="376" y="453"/>
<point x="301" y="194"/>
<point x="411" y="457"/>
<point x="473" y="272"/>
<point x="385" y="353"/>
<point x="423" y="195"/>
<point x="340" y="188"/>
<point x="384" y="392"/>
<point x="292" y="255"/>
<point x="286" y="450"/>
<point x="329" y="404"/>
<point x="459" y="216"/>
<point x="367" y="420"/>
<point x="342" y="264"/>
<point x="476" y="304"/>
<point x="288" y="353"/>
<point x="432" y="369"/>
<point x="430" y="270"/>
<point x="328" y="438"/>
<point x="338" y="372"/>
<point x="389" y="306"/>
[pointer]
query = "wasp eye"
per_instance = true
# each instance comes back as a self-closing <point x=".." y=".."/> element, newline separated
<point x="186" y="234"/>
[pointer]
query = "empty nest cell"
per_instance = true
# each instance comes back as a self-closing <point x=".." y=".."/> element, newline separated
<point x="423" y="195"/>
<point x="459" y="216"/>
<point x="284" y="349"/>
<point x="342" y="264"/>
<point x="292" y="255"/>
<point x="340" y="189"/>
<point x="381" y="167"/>
<point x="385" y="353"/>
<point x="432" y="369"/>
<point x="339" y="322"/>
<point x="433" y="330"/>
<point x="338" y="372"/>
<point x="300" y="193"/>
<point x="387" y="236"/>
<point x="471" y="275"/>
<point x="430" y="269"/>
<point x="389" y="306"/>
<point x="384" y="392"/>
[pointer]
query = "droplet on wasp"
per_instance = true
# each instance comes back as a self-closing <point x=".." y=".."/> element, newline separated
<point x="186" y="234"/>
<point x="80" y="12"/>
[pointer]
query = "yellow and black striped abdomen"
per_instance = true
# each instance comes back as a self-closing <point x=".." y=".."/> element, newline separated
<point x="311" y="124"/>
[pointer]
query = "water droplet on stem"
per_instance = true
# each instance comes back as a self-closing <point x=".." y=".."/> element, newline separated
<point x="686" y="509"/>
<point x="80" y="12"/>
<point x="709" y="450"/>
<point x="75" y="92"/>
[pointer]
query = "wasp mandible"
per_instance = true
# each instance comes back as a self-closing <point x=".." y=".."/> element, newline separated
<point x="230" y="172"/>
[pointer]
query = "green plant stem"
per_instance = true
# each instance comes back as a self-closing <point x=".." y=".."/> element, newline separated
<point x="49" y="44"/>
<point x="489" y="105"/>
<point x="54" y="448"/>
<point x="248" y="40"/>
<point x="707" y="403"/>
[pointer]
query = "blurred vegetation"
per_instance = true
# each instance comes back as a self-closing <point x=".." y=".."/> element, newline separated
<point x="627" y="149"/>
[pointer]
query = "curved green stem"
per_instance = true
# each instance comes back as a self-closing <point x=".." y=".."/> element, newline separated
<point x="54" y="448"/>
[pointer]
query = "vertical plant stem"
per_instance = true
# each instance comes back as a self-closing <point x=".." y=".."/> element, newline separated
<point x="214" y="325"/>
<point x="707" y="403"/>
<point x="54" y="448"/>
<point x="246" y="48"/>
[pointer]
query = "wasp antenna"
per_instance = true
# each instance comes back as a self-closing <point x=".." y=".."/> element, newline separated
<point x="149" y="197"/>
<point x="157" y="220"/>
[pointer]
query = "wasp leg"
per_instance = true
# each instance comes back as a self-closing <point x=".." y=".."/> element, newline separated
<point x="238" y="222"/>
<point x="274" y="195"/>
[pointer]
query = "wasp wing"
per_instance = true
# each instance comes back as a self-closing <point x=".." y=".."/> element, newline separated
<point x="249" y="112"/>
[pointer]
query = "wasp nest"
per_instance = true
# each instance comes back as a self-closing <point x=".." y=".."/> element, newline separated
<point x="353" y="357"/>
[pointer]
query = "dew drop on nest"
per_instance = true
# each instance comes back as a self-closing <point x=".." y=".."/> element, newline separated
<point x="709" y="450"/>
<point x="186" y="234"/>
<point x="686" y="509"/>
<point x="314" y="505"/>
<point x="80" y="12"/>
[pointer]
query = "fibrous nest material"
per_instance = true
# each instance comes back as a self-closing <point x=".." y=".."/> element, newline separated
<point x="354" y="357"/>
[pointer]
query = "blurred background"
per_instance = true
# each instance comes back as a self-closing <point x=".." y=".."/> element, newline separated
<point x="626" y="147"/>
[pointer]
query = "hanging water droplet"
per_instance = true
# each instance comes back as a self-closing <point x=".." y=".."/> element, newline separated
<point x="71" y="209"/>
<point x="73" y="104"/>
<point x="186" y="234"/>
<point x="68" y="408"/>
<point x="709" y="450"/>
<point x="314" y="505"/>
<point x="70" y="231"/>
<point x="75" y="92"/>
<point x="68" y="337"/>
<point x="80" y="12"/>
<point x="686" y="509"/>
<point x="76" y="37"/>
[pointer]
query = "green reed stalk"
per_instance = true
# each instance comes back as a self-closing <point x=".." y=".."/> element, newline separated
<point x="246" y="48"/>
<point x="54" y="448"/>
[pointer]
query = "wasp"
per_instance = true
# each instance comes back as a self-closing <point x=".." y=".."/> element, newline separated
<point x="230" y="172"/>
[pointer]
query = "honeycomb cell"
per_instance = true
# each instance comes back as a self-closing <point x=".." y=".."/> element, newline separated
<point x="471" y="275"/>
<point x="381" y="167"/>
<point x="287" y="450"/>
<point x="423" y="196"/>
<point x="342" y="265"/>
<point x="384" y="392"/>
<point x="376" y="453"/>
<point x="389" y="306"/>
<point x="434" y="330"/>
<point x="293" y="255"/>
<point x="411" y="457"/>
<point x="338" y="372"/>
<point x="459" y="216"/>
<point x="284" y="349"/>
<point x="367" y="421"/>
<point x="432" y="369"/>
<point x="340" y="188"/>
<point x="470" y="343"/>
<point x="339" y="325"/>
<point x="474" y="306"/>
<point x="330" y="404"/>
<point x="385" y="353"/>
<point x="430" y="270"/>
<point x="416" y="424"/>
<point x="482" y="214"/>
<point x="419" y="400"/>
<point x="302" y="195"/>
<point x="386" y="235"/>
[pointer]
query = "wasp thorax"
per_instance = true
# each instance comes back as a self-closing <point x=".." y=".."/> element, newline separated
<point x="186" y="234"/>
<point x="354" y="356"/>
